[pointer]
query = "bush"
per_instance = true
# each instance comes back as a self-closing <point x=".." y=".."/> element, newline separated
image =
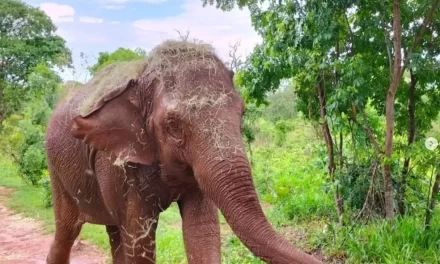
<point x="23" y="139"/>
<point x="285" y="176"/>
<point x="33" y="164"/>
<point x="47" y="190"/>
<point x="22" y="135"/>
<point x="281" y="129"/>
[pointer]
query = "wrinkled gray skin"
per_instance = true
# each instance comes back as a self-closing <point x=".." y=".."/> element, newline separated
<point x="170" y="161"/>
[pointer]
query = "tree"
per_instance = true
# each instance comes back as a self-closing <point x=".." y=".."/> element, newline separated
<point x="27" y="38"/>
<point x="119" y="55"/>
<point x="343" y="56"/>
<point x="389" y="109"/>
<point x="22" y="137"/>
<point x="420" y="59"/>
<point x="227" y="5"/>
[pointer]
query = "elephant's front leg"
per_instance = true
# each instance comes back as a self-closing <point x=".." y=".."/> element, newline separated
<point x="201" y="229"/>
<point x="138" y="233"/>
<point x="139" y="240"/>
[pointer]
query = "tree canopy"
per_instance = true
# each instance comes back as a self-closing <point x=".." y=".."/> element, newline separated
<point x="119" y="55"/>
<point x="27" y="38"/>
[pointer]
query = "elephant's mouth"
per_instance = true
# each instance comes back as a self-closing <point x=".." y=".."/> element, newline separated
<point x="167" y="178"/>
<point x="176" y="177"/>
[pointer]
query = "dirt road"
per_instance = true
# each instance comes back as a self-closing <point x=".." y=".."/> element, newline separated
<point x="22" y="242"/>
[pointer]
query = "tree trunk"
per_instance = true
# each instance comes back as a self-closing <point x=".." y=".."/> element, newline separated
<point x="338" y="197"/>
<point x="341" y="145"/>
<point x="431" y="203"/>
<point x="411" y="138"/>
<point x="389" y="112"/>
<point x="330" y="149"/>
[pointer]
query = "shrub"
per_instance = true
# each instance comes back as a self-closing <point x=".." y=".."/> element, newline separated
<point x="281" y="129"/>
<point x="23" y="139"/>
<point x="285" y="176"/>
<point x="33" y="163"/>
<point x="47" y="190"/>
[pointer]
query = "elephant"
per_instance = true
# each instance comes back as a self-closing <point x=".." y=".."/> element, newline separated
<point x="172" y="134"/>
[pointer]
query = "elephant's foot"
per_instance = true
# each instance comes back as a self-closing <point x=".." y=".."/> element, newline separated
<point x="59" y="252"/>
<point x="118" y="256"/>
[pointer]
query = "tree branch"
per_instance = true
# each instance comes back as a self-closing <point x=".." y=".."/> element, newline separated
<point x="387" y="44"/>
<point x="351" y="35"/>
<point x="368" y="132"/>
<point x="183" y="37"/>
<point x="419" y="37"/>
<point x="235" y="60"/>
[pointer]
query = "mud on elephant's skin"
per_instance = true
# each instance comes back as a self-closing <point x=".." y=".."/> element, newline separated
<point x="173" y="134"/>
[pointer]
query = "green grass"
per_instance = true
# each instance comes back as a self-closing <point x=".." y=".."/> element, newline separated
<point x="395" y="242"/>
<point x="26" y="199"/>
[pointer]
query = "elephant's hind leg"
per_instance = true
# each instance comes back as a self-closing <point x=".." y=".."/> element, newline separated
<point x="67" y="224"/>
<point x="115" y="242"/>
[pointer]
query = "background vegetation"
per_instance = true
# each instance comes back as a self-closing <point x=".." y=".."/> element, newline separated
<point x="340" y="95"/>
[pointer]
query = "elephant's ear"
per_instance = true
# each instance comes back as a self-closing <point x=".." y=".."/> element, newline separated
<point x="116" y="125"/>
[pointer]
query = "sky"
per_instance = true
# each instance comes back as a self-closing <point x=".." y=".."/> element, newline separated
<point x="93" y="26"/>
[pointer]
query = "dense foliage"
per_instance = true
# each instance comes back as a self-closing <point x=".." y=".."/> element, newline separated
<point x="23" y="132"/>
<point x="344" y="63"/>
<point x="27" y="39"/>
<point x="367" y="73"/>
<point x="120" y="55"/>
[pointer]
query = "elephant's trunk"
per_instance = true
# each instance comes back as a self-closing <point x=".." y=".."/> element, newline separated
<point x="229" y="184"/>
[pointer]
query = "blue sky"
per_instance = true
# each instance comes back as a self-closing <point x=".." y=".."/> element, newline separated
<point x="92" y="26"/>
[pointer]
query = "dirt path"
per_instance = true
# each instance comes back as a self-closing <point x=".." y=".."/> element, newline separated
<point x="22" y="242"/>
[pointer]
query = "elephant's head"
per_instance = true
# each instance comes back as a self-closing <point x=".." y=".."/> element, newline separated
<point x="185" y="114"/>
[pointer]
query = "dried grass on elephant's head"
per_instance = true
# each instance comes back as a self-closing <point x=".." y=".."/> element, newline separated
<point x="190" y="72"/>
<point x="176" y="58"/>
<point x="109" y="78"/>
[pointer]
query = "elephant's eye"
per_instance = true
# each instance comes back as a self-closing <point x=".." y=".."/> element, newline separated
<point x="173" y="129"/>
<point x="173" y="124"/>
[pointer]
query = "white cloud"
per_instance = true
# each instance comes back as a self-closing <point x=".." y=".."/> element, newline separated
<point x="113" y="7"/>
<point x="126" y="1"/>
<point x="208" y="24"/>
<point x="115" y="22"/>
<point x="58" y="13"/>
<point x="92" y="20"/>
